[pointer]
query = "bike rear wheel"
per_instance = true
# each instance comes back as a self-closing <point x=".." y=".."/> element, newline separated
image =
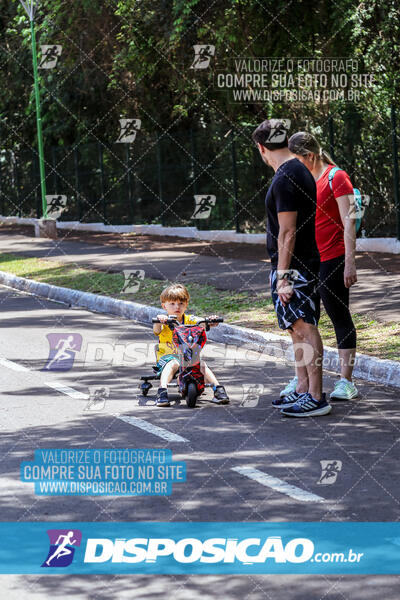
<point x="191" y="395"/>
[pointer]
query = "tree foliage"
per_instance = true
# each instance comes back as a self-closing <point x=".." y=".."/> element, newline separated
<point x="132" y="58"/>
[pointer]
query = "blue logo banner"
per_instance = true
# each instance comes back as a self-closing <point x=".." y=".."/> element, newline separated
<point x="200" y="548"/>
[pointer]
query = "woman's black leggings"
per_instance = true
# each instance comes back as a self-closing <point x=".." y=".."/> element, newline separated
<point x="335" y="298"/>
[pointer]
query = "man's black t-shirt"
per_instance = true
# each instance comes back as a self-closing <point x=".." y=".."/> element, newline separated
<point x="293" y="188"/>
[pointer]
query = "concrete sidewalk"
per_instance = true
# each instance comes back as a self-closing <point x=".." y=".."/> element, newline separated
<point x="377" y="291"/>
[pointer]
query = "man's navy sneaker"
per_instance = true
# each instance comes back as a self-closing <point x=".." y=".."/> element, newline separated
<point x="307" y="406"/>
<point x="286" y="401"/>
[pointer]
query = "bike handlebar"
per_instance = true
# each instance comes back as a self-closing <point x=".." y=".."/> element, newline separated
<point x="206" y="320"/>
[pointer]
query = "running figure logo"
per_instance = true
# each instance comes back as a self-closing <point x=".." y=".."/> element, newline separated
<point x="290" y="276"/>
<point x="50" y="56"/>
<point x="62" y="547"/>
<point x="330" y="470"/>
<point x="204" y="204"/>
<point x="358" y="204"/>
<point x="279" y="130"/>
<point x="129" y="129"/>
<point x="251" y="394"/>
<point x="133" y="280"/>
<point x="202" y="56"/>
<point x="63" y="347"/>
<point x="97" y="397"/>
<point x="55" y="205"/>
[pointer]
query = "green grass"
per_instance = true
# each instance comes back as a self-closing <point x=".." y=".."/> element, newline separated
<point x="239" y="308"/>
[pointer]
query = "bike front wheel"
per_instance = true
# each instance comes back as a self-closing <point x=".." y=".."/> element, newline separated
<point x="191" y="395"/>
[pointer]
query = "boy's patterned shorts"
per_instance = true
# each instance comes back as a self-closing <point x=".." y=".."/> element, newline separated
<point x="164" y="360"/>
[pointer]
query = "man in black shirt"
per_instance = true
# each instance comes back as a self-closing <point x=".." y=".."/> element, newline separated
<point x="290" y="206"/>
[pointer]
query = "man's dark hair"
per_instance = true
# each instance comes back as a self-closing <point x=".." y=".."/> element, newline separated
<point x="265" y="133"/>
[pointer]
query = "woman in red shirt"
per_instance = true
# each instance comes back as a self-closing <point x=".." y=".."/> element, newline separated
<point x="335" y="233"/>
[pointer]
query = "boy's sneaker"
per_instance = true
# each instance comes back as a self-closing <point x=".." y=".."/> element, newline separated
<point x="344" y="390"/>
<point x="307" y="406"/>
<point x="291" y="387"/>
<point x="162" y="397"/>
<point x="286" y="401"/>
<point x="220" y="395"/>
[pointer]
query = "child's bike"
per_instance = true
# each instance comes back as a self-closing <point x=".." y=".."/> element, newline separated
<point x="189" y="341"/>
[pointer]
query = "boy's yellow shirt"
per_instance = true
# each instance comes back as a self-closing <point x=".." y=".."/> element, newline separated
<point x="165" y="343"/>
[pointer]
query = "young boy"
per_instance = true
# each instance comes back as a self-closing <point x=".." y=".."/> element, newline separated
<point x="174" y="300"/>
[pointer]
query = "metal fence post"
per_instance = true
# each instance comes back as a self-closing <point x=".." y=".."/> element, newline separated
<point x="235" y="181"/>
<point x="38" y="121"/>
<point x="160" y="188"/>
<point x="128" y="179"/>
<point x="395" y="168"/>
<point x="2" y="196"/>
<point x="78" y="195"/>
<point x="193" y="158"/>
<point x="16" y="180"/>
<point x="101" y="167"/>
<point x="54" y="164"/>
<point x="34" y="184"/>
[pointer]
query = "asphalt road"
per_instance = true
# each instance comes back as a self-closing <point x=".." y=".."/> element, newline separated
<point x="48" y="409"/>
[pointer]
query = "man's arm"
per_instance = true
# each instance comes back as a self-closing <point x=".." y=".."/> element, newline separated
<point x="286" y="242"/>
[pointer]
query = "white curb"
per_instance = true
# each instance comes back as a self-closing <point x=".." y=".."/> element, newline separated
<point x="386" y="372"/>
<point x="389" y="245"/>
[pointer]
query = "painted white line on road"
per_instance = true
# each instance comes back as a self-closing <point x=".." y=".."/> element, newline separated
<point x="56" y="385"/>
<point x="12" y="365"/>
<point x="65" y="389"/>
<point x="154" y="429"/>
<point x="278" y="484"/>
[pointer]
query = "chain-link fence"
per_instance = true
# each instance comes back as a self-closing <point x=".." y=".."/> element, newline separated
<point x="156" y="178"/>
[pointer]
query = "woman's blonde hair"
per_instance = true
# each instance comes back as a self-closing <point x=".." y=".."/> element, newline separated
<point x="302" y="143"/>
<point x="176" y="291"/>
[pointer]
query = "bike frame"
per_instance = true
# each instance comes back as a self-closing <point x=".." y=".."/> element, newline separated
<point x="189" y="341"/>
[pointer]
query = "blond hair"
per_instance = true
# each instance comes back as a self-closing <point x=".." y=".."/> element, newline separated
<point x="176" y="291"/>
<point x="302" y="143"/>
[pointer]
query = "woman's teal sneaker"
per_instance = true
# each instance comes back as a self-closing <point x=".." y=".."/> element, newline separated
<point x="290" y="388"/>
<point x="344" y="390"/>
